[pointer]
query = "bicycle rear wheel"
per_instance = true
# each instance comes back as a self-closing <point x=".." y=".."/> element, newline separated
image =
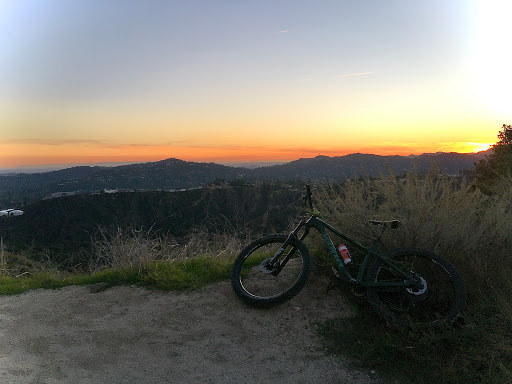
<point x="437" y="298"/>
<point x="260" y="285"/>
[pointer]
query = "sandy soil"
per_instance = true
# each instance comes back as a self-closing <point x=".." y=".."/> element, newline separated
<point x="133" y="335"/>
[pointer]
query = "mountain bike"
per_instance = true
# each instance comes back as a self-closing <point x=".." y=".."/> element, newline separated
<point x="408" y="286"/>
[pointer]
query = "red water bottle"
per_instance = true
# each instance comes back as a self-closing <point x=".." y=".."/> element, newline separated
<point x="342" y="249"/>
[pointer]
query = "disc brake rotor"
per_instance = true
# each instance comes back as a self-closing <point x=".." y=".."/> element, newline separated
<point x="420" y="289"/>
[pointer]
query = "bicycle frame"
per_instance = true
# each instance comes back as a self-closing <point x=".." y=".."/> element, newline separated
<point x="408" y="286"/>
<point x="322" y="227"/>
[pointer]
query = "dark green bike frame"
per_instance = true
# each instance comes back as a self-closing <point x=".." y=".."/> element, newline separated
<point x="371" y="253"/>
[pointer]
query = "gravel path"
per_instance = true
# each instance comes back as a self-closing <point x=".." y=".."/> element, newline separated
<point x="134" y="335"/>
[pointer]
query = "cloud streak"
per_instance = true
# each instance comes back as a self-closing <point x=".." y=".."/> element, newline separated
<point x="38" y="141"/>
<point x="355" y="74"/>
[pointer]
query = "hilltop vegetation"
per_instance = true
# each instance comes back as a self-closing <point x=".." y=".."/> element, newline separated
<point x="497" y="163"/>
<point x="63" y="228"/>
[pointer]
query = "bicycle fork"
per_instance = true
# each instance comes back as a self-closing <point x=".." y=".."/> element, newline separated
<point x="275" y="260"/>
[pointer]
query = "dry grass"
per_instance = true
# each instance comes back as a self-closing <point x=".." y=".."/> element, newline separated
<point x="3" y="260"/>
<point x="16" y="265"/>
<point x="131" y="256"/>
<point x="136" y="248"/>
<point x="443" y="214"/>
<point x="471" y="229"/>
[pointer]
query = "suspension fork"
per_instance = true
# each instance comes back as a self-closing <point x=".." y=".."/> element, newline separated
<point x="290" y="253"/>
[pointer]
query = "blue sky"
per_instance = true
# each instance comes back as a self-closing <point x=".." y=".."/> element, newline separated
<point x="236" y="80"/>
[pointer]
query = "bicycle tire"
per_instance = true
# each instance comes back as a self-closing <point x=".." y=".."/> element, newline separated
<point x="257" y="286"/>
<point x="438" y="299"/>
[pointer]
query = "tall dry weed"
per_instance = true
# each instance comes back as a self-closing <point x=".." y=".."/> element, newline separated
<point x="471" y="229"/>
<point x="123" y="248"/>
<point x="444" y="214"/>
<point x="135" y="248"/>
<point x="3" y="259"/>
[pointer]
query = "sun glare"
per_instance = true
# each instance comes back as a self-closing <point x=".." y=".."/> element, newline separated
<point x="491" y="69"/>
<point x="477" y="147"/>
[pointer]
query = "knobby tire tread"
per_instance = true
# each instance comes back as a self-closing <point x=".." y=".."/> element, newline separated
<point x="265" y="302"/>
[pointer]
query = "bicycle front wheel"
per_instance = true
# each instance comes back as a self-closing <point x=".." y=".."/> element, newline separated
<point x="437" y="298"/>
<point x="258" y="283"/>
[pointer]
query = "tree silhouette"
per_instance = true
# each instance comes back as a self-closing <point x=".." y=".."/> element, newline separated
<point x="498" y="163"/>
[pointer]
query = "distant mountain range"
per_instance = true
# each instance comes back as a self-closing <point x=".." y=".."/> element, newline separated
<point x="357" y="164"/>
<point x="19" y="189"/>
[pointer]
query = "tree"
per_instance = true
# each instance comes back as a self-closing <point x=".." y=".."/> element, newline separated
<point x="498" y="163"/>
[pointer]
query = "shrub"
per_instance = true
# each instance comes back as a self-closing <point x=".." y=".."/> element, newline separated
<point x="471" y="229"/>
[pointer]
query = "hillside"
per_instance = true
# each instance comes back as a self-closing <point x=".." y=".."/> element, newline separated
<point x="63" y="227"/>
<point x="21" y="189"/>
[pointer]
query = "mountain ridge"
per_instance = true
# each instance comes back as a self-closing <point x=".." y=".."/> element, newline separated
<point x="358" y="164"/>
<point x="172" y="173"/>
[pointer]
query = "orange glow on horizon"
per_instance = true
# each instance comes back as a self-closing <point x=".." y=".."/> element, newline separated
<point x="239" y="88"/>
<point x="72" y="154"/>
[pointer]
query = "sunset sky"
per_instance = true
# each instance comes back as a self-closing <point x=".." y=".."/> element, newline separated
<point x="225" y="81"/>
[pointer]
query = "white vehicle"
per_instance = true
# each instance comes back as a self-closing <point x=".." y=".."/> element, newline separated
<point x="11" y="212"/>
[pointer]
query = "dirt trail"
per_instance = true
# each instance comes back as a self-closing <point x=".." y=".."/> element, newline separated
<point x="133" y="335"/>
